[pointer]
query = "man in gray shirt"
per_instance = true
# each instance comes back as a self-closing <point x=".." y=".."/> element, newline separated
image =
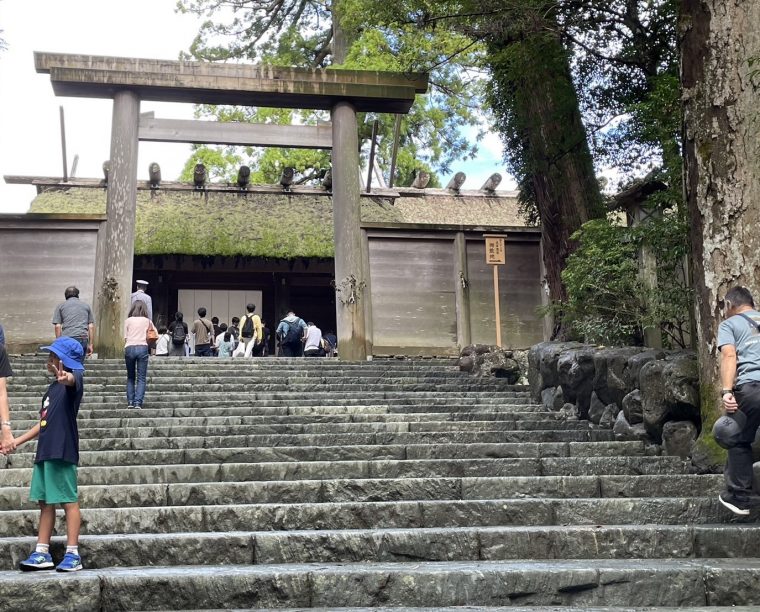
<point x="141" y="296"/>
<point x="739" y="344"/>
<point x="74" y="319"/>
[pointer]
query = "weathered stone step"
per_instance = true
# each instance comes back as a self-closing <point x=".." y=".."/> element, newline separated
<point x="675" y="583"/>
<point x="138" y="419"/>
<point x="308" y="398"/>
<point x="317" y="470"/>
<point x="403" y="545"/>
<point x="161" y="388"/>
<point x="180" y="430"/>
<point x="346" y="439"/>
<point x="369" y="515"/>
<point x="231" y="376"/>
<point x="117" y="409"/>
<point x="377" y="489"/>
<point x="24" y="457"/>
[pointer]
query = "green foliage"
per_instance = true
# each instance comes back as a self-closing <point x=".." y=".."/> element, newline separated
<point x="605" y="292"/>
<point x="298" y="33"/>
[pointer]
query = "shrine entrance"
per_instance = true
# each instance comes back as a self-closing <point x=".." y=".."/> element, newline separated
<point x="128" y="81"/>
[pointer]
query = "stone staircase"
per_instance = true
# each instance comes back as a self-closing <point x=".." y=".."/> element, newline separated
<point x="292" y="483"/>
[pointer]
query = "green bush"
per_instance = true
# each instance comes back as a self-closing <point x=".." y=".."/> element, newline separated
<point x="606" y="302"/>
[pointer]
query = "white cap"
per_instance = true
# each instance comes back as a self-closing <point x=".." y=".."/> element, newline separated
<point x="142" y="282"/>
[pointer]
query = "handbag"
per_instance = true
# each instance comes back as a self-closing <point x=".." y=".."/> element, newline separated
<point x="151" y="335"/>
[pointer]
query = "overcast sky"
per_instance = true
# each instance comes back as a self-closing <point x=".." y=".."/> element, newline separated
<point x="29" y="117"/>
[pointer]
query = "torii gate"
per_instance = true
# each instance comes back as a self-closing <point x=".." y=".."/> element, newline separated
<point x="130" y="80"/>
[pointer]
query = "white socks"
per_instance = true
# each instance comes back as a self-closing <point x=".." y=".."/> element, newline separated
<point x="42" y="548"/>
<point x="73" y="549"/>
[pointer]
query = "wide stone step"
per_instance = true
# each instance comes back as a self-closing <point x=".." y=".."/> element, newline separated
<point x="117" y="409"/>
<point x="403" y="545"/>
<point x="675" y="583"/>
<point x="182" y="377"/>
<point x="374" y="515"/>
<point x="24" y="457"/>
<point x="257" y="386"/>
<point x="377" y="489"/>
<point x="317" y="470"/>
<point x="180" y="430"/>
<point x="307" y="402"/>
<point x="346" y="439"/>
<point x="137" y="419"/>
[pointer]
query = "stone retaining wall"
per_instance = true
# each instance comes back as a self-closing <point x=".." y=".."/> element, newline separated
<point x="638" y="392"/>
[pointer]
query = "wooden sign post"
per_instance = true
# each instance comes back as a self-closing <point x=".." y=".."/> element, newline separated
<point x="496" y="257"/>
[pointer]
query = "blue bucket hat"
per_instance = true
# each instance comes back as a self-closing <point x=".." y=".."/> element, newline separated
<point x="68" y="350"/>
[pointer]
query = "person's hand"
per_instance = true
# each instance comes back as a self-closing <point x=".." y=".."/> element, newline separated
<point x="61" y="375"/>
<point x="89" y="349"/>
<point x="7" y="442"/>
<point x="729" y="403"/>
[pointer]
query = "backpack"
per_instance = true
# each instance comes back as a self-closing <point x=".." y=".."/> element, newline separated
<point x="178" y="335"/>
<point x="293" y="335"/>
<point x="248" y="329"/>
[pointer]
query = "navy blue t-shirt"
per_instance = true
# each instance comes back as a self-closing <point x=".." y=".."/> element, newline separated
<point x="5" y="364"/>
<point x="59" y="436"/>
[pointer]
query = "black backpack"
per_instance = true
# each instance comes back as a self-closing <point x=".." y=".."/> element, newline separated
<point x="248" y="329"/>
<point x="178" y="335"/>
<point x="293" y="335"/>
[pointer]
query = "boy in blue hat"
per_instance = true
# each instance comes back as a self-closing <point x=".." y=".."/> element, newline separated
<point x="54" y="479"/>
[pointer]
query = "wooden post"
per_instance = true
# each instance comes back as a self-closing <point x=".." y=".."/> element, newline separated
<point x="496" y="256"/>
<point x="497" y="308"/>
<point x="116" y="279"/>
<point x="464" y="334"/>
<point x="368" y="325"/>
<point x="346" y="193"/>
<point x="349" y="268"/>
<point x="63" y="146"/>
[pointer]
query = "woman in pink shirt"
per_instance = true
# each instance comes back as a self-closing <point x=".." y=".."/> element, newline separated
<point x="136" y="353"/>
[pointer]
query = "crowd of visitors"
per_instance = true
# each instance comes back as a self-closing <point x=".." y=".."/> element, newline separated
<point x="245" y="336"/>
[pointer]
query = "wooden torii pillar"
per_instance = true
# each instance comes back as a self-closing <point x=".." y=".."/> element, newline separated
<point x="129" y="80"/>
<point x="115" y="286"/>
<point x="349" y="268"/>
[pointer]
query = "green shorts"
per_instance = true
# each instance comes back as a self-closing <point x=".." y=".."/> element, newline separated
<point x="54" y="482"/>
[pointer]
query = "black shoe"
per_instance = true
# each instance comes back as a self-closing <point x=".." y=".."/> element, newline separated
<point x="740" y="507"/>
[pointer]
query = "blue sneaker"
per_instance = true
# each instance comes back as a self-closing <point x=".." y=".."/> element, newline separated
<point x="36" y="561"/>
<point x="70" y="563"/>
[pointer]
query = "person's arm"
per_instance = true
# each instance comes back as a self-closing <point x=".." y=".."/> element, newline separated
<point x="728" y="362"/>
<point x="7" y="443"/>
<point x="90" y="338"/>
<point x="29" y="435"/>
<point x="258" y="333"/>
<point x="57" y="321"/>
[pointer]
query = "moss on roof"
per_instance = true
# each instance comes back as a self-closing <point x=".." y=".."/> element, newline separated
<point x="265" y="225"/>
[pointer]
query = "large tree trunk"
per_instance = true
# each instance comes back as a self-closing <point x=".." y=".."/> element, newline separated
<point x="722" y="164"/>
<point x="533" y="91"/>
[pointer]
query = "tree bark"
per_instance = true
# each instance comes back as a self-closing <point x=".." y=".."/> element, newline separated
<point x="721" y="138"/>
<point x="555" y="168"/>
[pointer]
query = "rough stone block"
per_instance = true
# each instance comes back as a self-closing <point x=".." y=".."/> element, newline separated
<point x="669" y="392"/>
<point x="575" y="370"/>
<point x="678" y="438"/>
<point x="596" y="409"/>
<point x="609" y="415"/>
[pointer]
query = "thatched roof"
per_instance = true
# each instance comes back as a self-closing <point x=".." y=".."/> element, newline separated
<point x="273" y="225"/>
